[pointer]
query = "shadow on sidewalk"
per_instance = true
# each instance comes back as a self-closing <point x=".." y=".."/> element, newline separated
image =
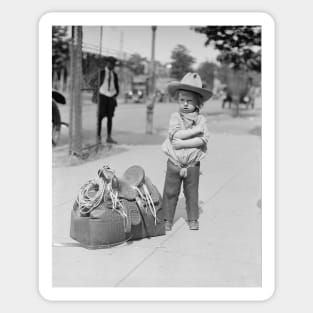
<point x="61" y="158"/>
<point x="133" y="138"/>
<point x="181" y="209"/>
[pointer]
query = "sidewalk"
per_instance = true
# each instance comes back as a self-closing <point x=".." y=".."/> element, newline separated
<point x="225" y="252"/>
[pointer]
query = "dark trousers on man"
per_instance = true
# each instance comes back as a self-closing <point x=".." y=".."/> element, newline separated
<point x="172" y="187"/>
<point x="106" y="108"/>
<point x="99" y="126"/>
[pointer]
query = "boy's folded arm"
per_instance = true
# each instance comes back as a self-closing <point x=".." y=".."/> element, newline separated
<point x="192" y="143"/>
<point x="184" y="133"/>
<point x="205" y="132"/>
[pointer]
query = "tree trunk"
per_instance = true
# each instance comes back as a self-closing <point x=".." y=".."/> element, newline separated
<point x="62" y="80"/>
<point x="237" y="82"/>
<point x="76" y="78"/>
<point x="149" y="114"/>
<point x="151" y="103"/>
<point x="236" y="101"/>
<point x="55" y="80"/>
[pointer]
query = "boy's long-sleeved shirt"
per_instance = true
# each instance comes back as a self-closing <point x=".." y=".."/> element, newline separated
<point x="188" y="156"/>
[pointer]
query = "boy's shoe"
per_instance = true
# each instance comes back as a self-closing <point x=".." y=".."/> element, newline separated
<point x="168" y="226"/>
<point x="99" y="140"/>
<point x="194" y="225"/>
<point x="111" y="140"/>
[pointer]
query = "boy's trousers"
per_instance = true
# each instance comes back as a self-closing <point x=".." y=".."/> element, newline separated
<point x="171" y="192"/>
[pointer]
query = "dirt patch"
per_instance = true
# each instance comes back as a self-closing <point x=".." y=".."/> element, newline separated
<point x="61" y="157"/>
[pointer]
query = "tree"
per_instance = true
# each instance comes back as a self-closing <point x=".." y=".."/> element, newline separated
<point x="182" y="62"/>
<point x="136" y="64"/>
<point x="207" y="72"/>
<point x="75" y="144"/>
<point x="153" y="94"/>
<point x="60" y="49"/>
<point x="239" y="46"/>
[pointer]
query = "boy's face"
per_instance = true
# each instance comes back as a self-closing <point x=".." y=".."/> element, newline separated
<point x="187" y="101"/>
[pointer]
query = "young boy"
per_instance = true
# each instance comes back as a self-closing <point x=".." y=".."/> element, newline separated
<point x="185" y="147"/>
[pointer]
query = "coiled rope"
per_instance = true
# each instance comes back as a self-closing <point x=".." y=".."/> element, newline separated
<point x="87" y="203"/>
<point x="99" y="186"/>
<point x="102" y="184"/>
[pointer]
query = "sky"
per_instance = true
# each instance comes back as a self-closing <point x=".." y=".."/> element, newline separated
<point x="132" y="39"/>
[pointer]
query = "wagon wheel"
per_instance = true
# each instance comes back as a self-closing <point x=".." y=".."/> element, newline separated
<point x="56" y="132"/>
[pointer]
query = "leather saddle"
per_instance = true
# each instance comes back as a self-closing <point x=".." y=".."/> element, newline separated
<point x="134" y="190"/>
<point x="129" y="207"/>
<point x="132" y="184"/>
<point x="135" y="177"/>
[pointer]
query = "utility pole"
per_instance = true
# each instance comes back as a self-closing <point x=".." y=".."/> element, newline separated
<point x="152" y="86"/>
<point x="100" y="44"/>
<point x="75" y="146"/>
<point x="122" y="64"/>
<point x="121" y="44"/>
<point x="98" y="77"/>
<point x="153" y="95"/>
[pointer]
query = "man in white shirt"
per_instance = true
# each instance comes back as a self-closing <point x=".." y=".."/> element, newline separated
<point x="108" y="91"/>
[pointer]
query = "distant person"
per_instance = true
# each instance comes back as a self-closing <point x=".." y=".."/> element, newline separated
<point x="57" y="97"/>
<point x="108" y="90"/>
<point x="185" y="146"/>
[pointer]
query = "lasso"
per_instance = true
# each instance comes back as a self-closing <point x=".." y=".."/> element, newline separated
<point x="101" y="184"/>
<point x="87" y="203"/>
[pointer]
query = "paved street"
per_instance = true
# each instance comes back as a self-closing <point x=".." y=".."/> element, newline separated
<point x="225" y="252"/>
<point x="129" y="121"/>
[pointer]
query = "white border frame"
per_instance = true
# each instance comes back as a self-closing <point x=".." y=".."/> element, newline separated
<point x="268" y="157"/>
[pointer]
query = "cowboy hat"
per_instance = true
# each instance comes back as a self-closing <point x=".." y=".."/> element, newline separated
<point x="190" y="82"/>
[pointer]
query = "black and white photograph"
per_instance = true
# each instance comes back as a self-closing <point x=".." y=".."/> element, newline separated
<point x="156" y="155"/>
